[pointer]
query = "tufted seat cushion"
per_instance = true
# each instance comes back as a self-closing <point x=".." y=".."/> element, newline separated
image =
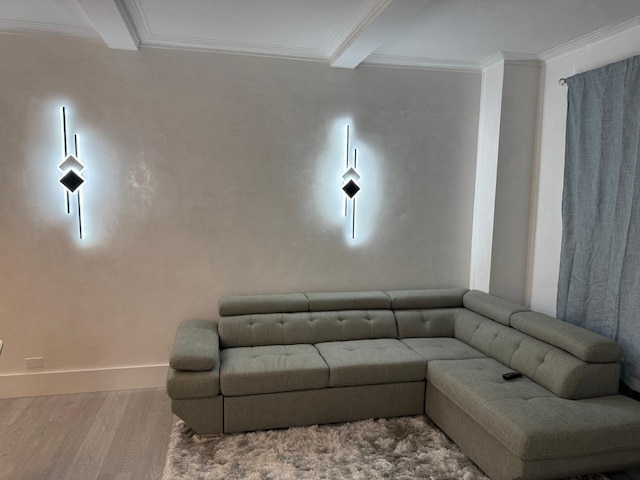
<point x="274" y="368"/>
<point x="368" y="362"/>
<point x="442" y="348"/>
<point x="529" y="420"/>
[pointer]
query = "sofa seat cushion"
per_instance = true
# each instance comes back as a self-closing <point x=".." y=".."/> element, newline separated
<point x="273" y="368"/>
<point x="369" y="362"/>
<point x="531" y="421"/>
<point x="442" y="348"/>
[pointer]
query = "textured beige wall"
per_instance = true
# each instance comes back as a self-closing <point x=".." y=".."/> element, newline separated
<point x="213" y="174"/>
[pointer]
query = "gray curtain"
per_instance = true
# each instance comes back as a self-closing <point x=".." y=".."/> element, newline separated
<point x="599" y="282"/>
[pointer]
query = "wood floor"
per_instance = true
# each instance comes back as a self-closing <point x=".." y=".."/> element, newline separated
<point x="120" y="435"/>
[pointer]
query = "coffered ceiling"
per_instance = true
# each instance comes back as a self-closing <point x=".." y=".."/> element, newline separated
<point x="461" y="34"/>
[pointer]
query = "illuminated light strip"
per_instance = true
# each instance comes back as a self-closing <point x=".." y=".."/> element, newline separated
<point x="64" y="133"/>
<point x="75" y="141"/>
<point x="346" y="168"/>
<point x="79" y="216"/>
<point x="64" y="152"/>
<point x="353" y="213"/>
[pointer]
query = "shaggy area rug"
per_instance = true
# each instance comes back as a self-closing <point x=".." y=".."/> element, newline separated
<point x="404" y="448"/>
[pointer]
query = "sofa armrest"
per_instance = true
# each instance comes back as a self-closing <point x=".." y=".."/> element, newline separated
<point x="196" y="346"/>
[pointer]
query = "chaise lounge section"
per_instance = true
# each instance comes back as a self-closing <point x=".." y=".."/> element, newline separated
<point x="276" y="361"/>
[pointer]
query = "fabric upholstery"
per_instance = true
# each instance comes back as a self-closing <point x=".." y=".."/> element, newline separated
<point x="282" y="365"/>
<point x="437" y="322"/>
<point x="553" y="368"/>
<point x="529" y="420"/>
<point x="327" y="405"/>
<point x="274" y="368"/>
<point x="585" y="345"/>
<point x="420" y="299"/>
<point x="347" y="301"/>
<point x="204" y="415"/>
<point x="248" y="304"/>
<point x="442" y="349"/>
<point x="195" y="346"/>
<point x="369" y="362"/>
<point x="492" y="307"/>
<point x="188" y="384"/>
<point x="499" y="463"/>
<point x="308" y="327"/>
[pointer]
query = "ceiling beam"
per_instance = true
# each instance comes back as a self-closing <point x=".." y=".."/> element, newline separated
<point x="111" y="21"/>
<point x="386" y="19"/>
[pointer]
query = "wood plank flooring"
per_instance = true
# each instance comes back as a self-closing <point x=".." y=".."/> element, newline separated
<point x="120" y="435"/>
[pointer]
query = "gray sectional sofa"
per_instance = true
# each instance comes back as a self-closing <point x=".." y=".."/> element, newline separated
<point x="276" y="361"/>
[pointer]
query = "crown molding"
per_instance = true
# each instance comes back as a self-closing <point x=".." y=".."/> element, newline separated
<point x="150" y="39"/>
<point x="18" y="26"/>
<point x="238" y="48"/>
<point x="592" y="38"/>
<point x="511" y="58"/>
<point x="422" y="63"/>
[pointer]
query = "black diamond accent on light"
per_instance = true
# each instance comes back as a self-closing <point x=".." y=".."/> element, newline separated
<point x="71" y="180"/>
<point x="351" y="188"/>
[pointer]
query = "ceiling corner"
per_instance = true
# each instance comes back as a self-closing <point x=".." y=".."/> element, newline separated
<point x="112" y="22"/>
<point x="382" y="21"/>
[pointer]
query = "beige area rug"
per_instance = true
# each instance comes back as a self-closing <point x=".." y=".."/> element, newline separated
<point x="404" y="448"/>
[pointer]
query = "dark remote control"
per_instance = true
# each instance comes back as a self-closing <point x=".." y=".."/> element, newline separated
<point x="511" y="375"/>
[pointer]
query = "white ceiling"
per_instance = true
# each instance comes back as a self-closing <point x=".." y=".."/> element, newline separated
<point x="462" y="34"/>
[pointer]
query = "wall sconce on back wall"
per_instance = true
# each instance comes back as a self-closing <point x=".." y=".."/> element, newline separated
<point x="348" y="190"/>
<point x="350" y="185"/>
<point x="71" y="167"/>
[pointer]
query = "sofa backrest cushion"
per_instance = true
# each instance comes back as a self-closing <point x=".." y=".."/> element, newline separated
<point x="248" y="304"/>
<point x="422" y="299"/>
<point x="555" y="369"/>
<point x="492" y="307"/>
<point x="585" y="345"/>
<point x="436" y="322"/>
<point x="305" y="327"/>
<point x="332" y="301"/>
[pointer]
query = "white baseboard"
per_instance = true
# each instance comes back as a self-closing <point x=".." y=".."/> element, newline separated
<point x="80" y="381"/>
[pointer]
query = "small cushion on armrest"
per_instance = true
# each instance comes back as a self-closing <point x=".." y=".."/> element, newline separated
<point x="195" y="347"/>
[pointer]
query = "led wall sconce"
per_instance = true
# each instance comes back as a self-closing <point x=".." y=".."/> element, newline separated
<point x="350" y="185"/>
<point x="71" y="179"/>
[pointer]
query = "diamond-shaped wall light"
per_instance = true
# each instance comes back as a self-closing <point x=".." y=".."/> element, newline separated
<point x="71" y="168"/>
<point x="351" y="188"/>
<point x="351" y="174"/>
<point x="71" y="162"/>
<point x="71" y="180"/>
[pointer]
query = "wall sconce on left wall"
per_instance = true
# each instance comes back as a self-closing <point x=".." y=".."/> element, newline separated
<point x="71" y="167"/>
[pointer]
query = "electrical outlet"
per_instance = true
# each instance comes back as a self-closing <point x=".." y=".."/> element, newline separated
<point x="35" y="362"/>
